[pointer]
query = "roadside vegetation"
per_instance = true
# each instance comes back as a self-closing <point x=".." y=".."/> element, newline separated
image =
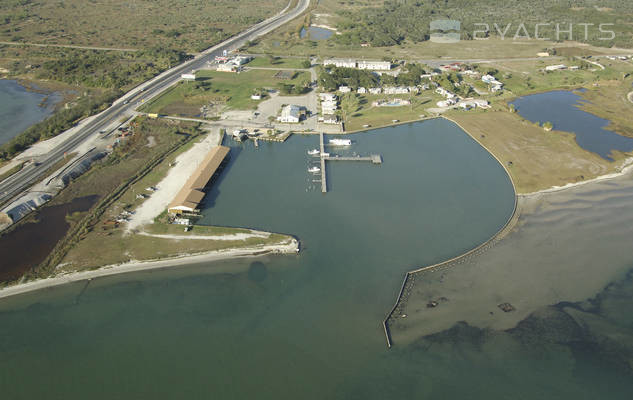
<point x="12" y="171"/>
<point x="144" y="38"/>
<point x="109" y="179"/>
<point x="58" y="122"/>
<point x="89" y="68"/>
<point x="187" y="25"/>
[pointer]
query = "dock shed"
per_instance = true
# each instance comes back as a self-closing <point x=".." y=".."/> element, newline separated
<point x="190" y="196"/>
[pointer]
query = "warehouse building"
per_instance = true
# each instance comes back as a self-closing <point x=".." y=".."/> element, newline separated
<point x="190" y="196"/>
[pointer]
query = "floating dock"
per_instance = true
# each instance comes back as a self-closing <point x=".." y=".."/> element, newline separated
<point x="373" y="158"/>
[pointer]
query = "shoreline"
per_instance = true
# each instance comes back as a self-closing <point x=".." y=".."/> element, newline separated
<point x="288" y="247"/>
<point x="507" y="226"/>
<point x="500" y="234"/>
<point x="624" y="170"/>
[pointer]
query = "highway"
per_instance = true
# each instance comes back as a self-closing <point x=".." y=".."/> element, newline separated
<point x="124" y="106"/>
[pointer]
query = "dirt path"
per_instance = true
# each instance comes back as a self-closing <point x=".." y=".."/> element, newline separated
<point x="68" y="46"/>
<point x="594" y="63"/>
<point x="232" y="236"/>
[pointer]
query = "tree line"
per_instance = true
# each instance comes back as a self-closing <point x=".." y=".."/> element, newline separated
<point x="397" y="21"/>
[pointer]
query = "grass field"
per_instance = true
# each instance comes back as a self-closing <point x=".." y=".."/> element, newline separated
<point x="536" y="159"/>
<point x="362" y="112"/>
<point x="97" y="250"/>
<point x="278" y="62"/>
<point x="12" y="171"/>
<point x="220" y="88"/>
<point x="608" y="100"/>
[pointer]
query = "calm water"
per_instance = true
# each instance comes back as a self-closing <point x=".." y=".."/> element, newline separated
<point x="305" y="326"/>
<point x="560" y="108"/>
<point x="40" y="237"/>
<point x="571" y="250"/>
<point x="316" y="33"/>
<point x="20" y="108"/>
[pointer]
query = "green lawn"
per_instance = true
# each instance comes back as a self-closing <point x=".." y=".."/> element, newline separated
<point x="361" y="112"/>
<point x="228" y="89"/>
<point x="278" y="62"/>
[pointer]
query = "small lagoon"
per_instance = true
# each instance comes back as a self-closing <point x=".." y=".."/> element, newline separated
<point x="21" y="108"/>
<point x="560" y="107"/>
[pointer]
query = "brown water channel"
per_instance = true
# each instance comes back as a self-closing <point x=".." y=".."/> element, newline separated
<point x="29" y="244"/>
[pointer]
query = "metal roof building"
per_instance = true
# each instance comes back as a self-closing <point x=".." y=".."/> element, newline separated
<point x="192" y="193"/>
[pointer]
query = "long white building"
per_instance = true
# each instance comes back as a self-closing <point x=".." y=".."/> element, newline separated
<point x="340" y="62"/>
<point x="362" y="64"/>
<point x="374" y="65"/>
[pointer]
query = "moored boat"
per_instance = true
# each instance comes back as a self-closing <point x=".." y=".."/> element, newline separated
<point x="340" y="142"/>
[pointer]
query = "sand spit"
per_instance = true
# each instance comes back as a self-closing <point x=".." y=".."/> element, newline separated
<point x="290" y="246"/>
<point x="234" y="236"/>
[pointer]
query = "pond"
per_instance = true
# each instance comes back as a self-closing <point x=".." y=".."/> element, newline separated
<point x="21" y="108"/>
<point x="316" y="33"/>
<point x="560" y="107"/>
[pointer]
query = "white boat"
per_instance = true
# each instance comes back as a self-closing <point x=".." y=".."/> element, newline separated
<point x="314" y="170"/>
<point x="313" y="152"/>
<point x="340" y="142"/>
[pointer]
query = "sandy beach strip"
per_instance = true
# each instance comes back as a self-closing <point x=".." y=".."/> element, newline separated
<point x="233" y="236"/>
<point x="627" y="167"/>
<point x="288" y="247"/>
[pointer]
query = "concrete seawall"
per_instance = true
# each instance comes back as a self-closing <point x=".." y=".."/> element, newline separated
<point x="409" y="278"/>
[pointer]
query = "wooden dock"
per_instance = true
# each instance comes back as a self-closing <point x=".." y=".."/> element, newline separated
<point x="323" y="179"/>
<point x="373" y="158"/>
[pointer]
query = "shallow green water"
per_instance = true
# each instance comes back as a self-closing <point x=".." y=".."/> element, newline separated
<point x="306" y="326"/>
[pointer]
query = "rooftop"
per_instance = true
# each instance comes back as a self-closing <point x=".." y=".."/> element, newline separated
<point x="191" y="194"/>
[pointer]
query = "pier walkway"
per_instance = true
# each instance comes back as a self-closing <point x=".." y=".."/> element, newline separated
<point x="373" y="158"/>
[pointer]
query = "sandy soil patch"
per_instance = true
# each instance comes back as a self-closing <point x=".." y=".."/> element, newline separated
<point x="234" y="236"/>
<point x="186" y="164"/>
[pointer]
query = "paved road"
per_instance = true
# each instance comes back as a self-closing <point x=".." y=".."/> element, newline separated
<point x="17" y="183"/>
